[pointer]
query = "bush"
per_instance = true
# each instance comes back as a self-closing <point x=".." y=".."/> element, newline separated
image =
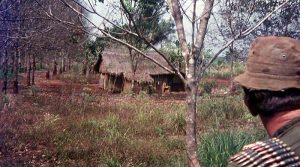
<point x="221" y="109"/>
<point x="10" y="75"/>
<point x="223" y="71"/>
<point x="4" y="99"/>
<point x="216" y="147"/>
<point x="33" y="90"/>
<point x="207" y="86"/>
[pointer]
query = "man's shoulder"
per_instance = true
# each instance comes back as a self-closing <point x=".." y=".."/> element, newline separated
<point x="265" y="153"/>
<point x="290" y="134"/>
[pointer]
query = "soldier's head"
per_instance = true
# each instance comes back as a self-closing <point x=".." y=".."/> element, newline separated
<point x="271" y="81"/>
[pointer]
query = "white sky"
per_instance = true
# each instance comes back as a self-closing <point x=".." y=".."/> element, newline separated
<point x="107" y="10"/>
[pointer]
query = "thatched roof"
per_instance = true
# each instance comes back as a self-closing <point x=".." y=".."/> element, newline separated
<point x="120" y="63"/>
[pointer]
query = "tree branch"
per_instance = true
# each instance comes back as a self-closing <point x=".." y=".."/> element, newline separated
<point x="243" y="34"/>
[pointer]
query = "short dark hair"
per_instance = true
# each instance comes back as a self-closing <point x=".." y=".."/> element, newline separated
<point x="268" y="103"/>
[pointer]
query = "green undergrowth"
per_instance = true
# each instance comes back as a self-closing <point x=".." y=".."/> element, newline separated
<point x="217" y="146"/>
<point x="224" y="112"/>
<point x="223" y="71"/>
<point x="10" y="75"/>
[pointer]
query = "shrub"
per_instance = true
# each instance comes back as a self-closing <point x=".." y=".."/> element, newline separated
<point x="216" y="147"/>
<point x="223" y="71"/>
<point x="4" y="102"/>
<point x="33" y="91"/>
<point x="10" y="75"/>
<point x="221" y="109"/>
<point x="178" y="121"/>
<point x="207" y="86"/>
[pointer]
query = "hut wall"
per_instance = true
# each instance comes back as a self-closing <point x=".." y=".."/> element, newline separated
<point x="127" y="87"/>
<point x="177" y="85"/>
<point x="162" y="84"/>
<point x="116" y="83"/>
<point x="167" y="83"/>
<point x="103" y="81"/>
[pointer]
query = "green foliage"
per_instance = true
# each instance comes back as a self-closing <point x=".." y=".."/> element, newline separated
<point x="216" y="147"/>
<point x="4" y="99"/>
<point x="207" y="86"/>
<point x="178" y="120"/>
<point x="112" y="162"/>
<point x="10" y="75"/>
<point x="87" y="97"/>
<point x="218" y="111"/>
<point x="93" y="49"/>
<point x="222" y="70"/>
<point x="33" y="90"/>
<point x="174" y="54"/>
<point x="284" y="19"/>
<point x="161" y="132"/>
<point x="148" y="18"/>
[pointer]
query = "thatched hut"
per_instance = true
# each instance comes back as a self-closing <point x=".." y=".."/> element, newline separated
<point x="117" y="74"/>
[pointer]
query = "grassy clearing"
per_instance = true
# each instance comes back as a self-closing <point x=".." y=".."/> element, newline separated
<point x="93" y="130"/>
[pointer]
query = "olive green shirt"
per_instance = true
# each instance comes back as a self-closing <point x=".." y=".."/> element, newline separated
<point x="289" y="134"/>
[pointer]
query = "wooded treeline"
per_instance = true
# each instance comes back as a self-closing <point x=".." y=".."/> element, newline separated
<point x="31" y="38"/>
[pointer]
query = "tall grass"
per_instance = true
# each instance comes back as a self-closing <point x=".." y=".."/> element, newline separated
<point x="223" y="71"/>
<point x="217" y="146"/>
<point x="222" y="112"/>
<point x="207" y="86"/>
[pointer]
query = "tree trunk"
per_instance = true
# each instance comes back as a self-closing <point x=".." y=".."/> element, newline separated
<point x="48" y="71"/>
<point x="33" y="69"/>
<point x="231" y="52"/>
<point x="84" y="68"/>
<point x="61" y="69"/>
<point x="231" y="74"/>
<point x="28" y="70"/>
<point x="55" y="68"/>
<point x="192" y="80"/>
<point x="13" y="61"/>
<point x="69" y="64"/>
<point x="20" y="61"/>
<point x="26" y="63"/>
<point x="191" y="140"/>
<point x="87" y="73"/>
<point x="4" y="89"/>
<point x="63" y="64"/>
<point x="16" y="81"/>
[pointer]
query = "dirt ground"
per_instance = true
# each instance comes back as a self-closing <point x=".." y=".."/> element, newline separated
<point x="53" y="88"/>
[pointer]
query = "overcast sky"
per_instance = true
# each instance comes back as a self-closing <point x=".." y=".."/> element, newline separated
<point x="108" y="10"/>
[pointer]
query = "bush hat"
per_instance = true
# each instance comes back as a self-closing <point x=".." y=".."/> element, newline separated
<point x="273" y="64"/>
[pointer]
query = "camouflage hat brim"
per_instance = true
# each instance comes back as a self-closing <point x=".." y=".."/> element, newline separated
<point x="273" y="64"/>
<point x="259" y="81"/>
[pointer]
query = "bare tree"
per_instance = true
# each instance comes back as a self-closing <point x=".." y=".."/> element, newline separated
<point x="28" y="34"/>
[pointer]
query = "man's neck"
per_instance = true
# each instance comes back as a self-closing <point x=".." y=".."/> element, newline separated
<point x="272" y="124"/>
